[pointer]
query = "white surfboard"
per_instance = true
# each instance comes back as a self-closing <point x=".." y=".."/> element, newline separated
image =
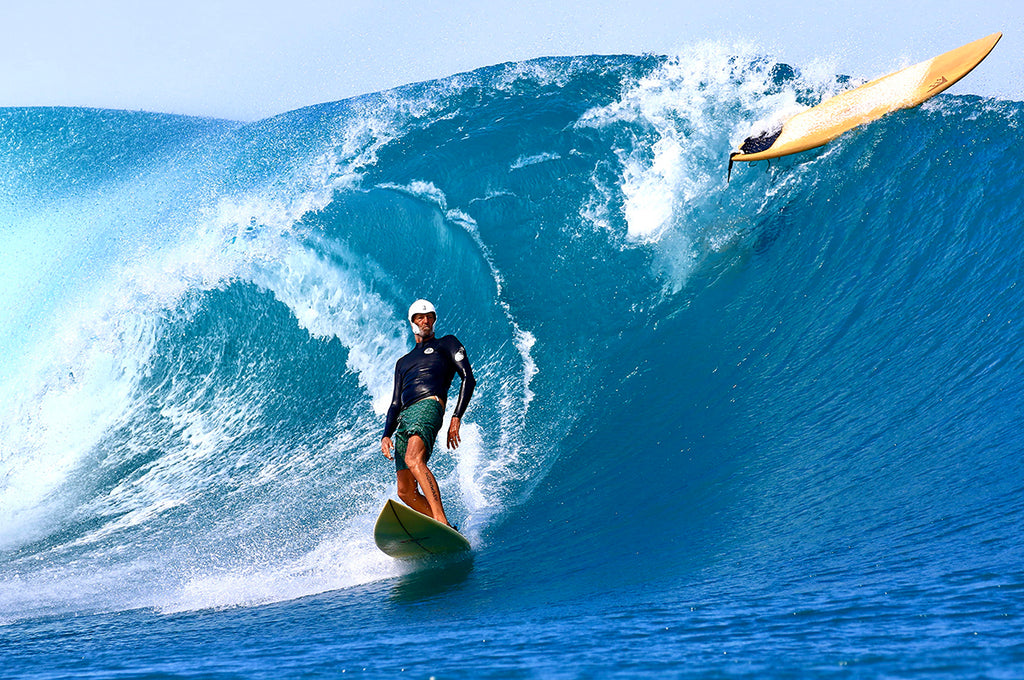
<point x="403" y="533"/>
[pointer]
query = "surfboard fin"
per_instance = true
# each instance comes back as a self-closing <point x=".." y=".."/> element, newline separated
<point x="728" y="175"/>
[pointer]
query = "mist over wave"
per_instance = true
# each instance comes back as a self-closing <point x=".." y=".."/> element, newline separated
<point x="815" y="364"/>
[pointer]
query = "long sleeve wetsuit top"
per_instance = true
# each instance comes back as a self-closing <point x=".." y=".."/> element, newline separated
<point x="427" y="371"/>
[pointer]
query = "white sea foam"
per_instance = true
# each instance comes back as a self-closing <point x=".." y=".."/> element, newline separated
<point x="68" y="396"/>
<point x="682" y="106"/>
<point x="525" y="161"/>
<point x="343" y="560"/>
<point x="683" y="120"/>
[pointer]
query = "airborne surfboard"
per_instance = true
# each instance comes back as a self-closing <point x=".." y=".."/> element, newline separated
<point x="403" y="533"/>
<point x="902" y="89"/>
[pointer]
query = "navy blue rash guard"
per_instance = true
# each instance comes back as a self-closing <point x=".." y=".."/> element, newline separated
<point x="427" y="371"/>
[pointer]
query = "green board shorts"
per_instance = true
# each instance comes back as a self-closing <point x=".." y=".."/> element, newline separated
<point x="422" y="419"/>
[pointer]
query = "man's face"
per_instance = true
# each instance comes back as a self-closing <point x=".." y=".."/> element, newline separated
<point x="425" y="324"/>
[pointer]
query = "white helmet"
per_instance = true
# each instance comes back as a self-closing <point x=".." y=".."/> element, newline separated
<point x="420" y="307"/>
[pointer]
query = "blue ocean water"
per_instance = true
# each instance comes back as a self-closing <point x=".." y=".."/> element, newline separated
<point x="765" y="428"/>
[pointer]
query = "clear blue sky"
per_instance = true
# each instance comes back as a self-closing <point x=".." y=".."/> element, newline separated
<point x="249" y="60"/>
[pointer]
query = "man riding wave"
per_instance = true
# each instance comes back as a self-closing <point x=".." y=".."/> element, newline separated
<point x="422" y="379"/>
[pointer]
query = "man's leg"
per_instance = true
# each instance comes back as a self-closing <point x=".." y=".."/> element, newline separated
<point x="410" y="495"/>
<point x="415" y="456"/>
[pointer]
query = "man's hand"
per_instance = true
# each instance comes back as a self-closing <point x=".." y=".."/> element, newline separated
<point x="386" y="447"/>
<point x="453" y="434"/>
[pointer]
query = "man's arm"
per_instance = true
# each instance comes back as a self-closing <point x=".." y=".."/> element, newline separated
<point x="465" y="371"/>
<point x="391" y="423"/>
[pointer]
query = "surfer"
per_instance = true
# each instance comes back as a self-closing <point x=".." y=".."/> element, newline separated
<point x="422" y="379"/>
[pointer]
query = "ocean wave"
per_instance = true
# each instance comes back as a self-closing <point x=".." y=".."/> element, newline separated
<point x="201" y="320"/>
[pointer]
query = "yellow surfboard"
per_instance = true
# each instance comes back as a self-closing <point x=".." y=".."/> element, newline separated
<point x="404" y="533"/>
<point x="899" y="90"/>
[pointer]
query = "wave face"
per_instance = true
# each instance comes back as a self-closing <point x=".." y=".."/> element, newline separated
<point x="810" y="372"/>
